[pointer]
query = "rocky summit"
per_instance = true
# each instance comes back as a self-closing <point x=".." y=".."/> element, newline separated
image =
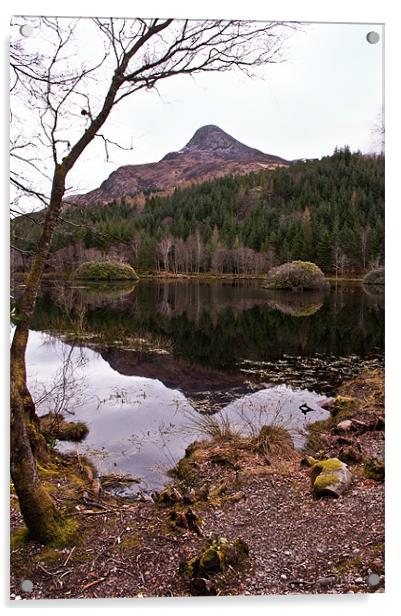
<point x="210" y="153"/>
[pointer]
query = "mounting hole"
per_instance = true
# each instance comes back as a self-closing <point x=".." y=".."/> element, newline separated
<point x="27" y="585"/>
<point x="373" y="579"/>
<point x="373" y="37"/>
<point x="26" y="30"/>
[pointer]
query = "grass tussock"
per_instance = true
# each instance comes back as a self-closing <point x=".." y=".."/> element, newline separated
<point x="275" y="440"/>
<point x="218" y="427"/>
<point x="53" y="426"/>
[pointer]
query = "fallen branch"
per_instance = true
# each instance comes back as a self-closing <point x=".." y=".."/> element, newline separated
<point x="69" y="556"/>
<point x="93" y="583"/>
<point x="90" y="512"/>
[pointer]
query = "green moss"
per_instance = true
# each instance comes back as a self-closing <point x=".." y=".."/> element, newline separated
<point x="212" y="560"/>
<point x="311" y="461"/>
<point x="59" y="532"/>
<point x="47" y="471"/>
<point x="374" y="469"/>
<point x="105" y="270"/>
<point x="333" y="464"/>
<point x="64" y="534"/>
<point x="343" y="406"/>
<point x="324" y="480"/>
<point x="218" y="491"/>
<point x="19" y="537"/>
<point x="184" y="470"/>
<point x="215" y="557"/>
<point x="187" y="567"/>
<point x="48" y="555"/>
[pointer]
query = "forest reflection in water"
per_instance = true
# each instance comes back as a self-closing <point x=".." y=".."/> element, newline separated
<point x="158" y="351"/>
<point x="223" y="328"/>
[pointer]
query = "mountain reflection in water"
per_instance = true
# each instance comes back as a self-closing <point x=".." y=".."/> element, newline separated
<point x="195" y="347"/>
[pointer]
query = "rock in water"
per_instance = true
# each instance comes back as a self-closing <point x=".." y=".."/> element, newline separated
<point x="330" y="477"/>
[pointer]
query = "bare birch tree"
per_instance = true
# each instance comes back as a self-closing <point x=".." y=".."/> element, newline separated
<point x="60" y="103"/>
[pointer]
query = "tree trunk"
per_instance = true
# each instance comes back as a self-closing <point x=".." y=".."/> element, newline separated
<point x="20" y="338"/>
<point x="41" y="517"/>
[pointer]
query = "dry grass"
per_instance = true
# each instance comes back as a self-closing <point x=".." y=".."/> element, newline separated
<point x="218" y="427"/>
<point x="275" y="440"/>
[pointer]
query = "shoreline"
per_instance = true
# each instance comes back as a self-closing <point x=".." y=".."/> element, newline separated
<point x="227" y="482"/>
<point x="170" y="276"/>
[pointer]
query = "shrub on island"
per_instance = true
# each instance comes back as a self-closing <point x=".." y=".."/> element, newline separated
<point x="296" y="275"/>
<point x="375" y="276"/>
<point x="105" y="270"/>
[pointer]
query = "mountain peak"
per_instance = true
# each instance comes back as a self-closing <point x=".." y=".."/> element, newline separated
<point x="210" y="137"/>
<point x="210" y="153"/>
<point x="211" y="140"/>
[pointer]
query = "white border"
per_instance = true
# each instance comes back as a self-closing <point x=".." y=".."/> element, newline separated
<point x="366" y="11"/>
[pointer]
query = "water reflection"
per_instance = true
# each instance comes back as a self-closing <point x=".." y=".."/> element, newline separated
<point x="204" y="337"/>
<point x="152" y="354"/>
<point x="138" y="426"/>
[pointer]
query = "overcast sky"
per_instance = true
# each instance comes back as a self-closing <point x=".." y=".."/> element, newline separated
<point x="327" y="93"/>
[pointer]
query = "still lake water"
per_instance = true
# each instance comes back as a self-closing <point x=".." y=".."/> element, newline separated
<point x="144" y="363"/>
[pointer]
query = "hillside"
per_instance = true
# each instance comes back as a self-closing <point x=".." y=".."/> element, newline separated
<point x="330" y="211"/>
<point x="209" y="154"/>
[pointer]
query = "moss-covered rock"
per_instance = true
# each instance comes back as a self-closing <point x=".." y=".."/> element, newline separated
<point x="343" y="406"/>
<point x="296" y="275"/>
<point x="374" y="469"/>
<point x="374" y="277"/>
<point x="216" y="555"/>
<point x="330" y="477"/>
<point x="105" y="270"/>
